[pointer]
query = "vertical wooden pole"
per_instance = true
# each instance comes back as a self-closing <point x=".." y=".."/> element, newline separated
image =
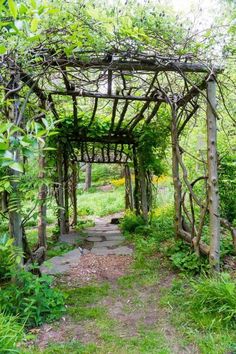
<point x="136" y="183"/>
<point x="143" y="188"/>
<point x="175" y="174"/>
<point x="61" y="204"/>
<point x="42" y="209"/>
<point x="213" y="192"/>
<point x="74" y="192"/>
<point x="129" y="200"/>
<point x="66" y="189"/>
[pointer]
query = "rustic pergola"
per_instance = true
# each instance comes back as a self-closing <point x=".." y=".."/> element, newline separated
<point x="128" y="92"/>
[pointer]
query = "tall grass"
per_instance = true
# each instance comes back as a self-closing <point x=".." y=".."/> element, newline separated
<point x="214" y="301"/>
<point x="11" y="333"/>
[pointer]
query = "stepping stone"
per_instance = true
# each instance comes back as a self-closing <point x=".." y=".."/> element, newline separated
<point x="94" y="239"/>
<point x="61" y="264"/>
<point x="106" y="244"/>
<point x="119" y="251"/>
<point x="101" y="234"/>
<point x="114" y="238"/>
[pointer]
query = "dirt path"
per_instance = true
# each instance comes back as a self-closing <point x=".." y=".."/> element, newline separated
<point x="111" y="306"/>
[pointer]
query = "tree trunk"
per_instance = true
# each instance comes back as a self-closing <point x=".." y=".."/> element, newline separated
<point x="74" y="192"/>
<point x="175" y="175"/>
<point x="212" y="163"/>
<point x="129" y="200"/>
<point x="42" y="209"/>
<point x="88" y="177"/>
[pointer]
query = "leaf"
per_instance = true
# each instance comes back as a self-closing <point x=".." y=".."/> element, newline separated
<point x="13" y="8"/>
<point x="17" y="166"/>
<point x="3" y="49"/>
<point x="34" y="24"/>
<point x="3" y="146"/>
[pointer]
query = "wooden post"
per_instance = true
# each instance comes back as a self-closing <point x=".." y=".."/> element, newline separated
<point x="42" y="209"/>
<point x="74" y="192"/>
<point x="61" y="204"/>
<point x="175" y="175"/>
<point x="212" y="163"/>
<point x="143" y="189"/>
<point x="129" y="200"/>
<point x="136" y="184"/>
<point x="66" y="189"/>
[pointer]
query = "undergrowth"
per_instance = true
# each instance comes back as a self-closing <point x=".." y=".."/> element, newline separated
<point x="32" y="299"/>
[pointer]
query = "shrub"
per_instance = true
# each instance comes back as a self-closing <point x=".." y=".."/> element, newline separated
<point x="131" y="222"/>
<point x="184" y="258"/>
<point x="11" y="332"/>
<point x="215" y="300"/>
<point x="32" y="299"/>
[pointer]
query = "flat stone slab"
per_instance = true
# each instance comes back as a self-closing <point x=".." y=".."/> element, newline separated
<point x="119" y="251"/>
<point x="94" y="239"/>
<point x="114" y="238"/>
<point x="103" y="233"/>
<point x="106" y="244"/>
<point x="61" y="264"/>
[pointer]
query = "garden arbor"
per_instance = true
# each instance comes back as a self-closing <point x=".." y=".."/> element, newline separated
<point x="131" y="95"/>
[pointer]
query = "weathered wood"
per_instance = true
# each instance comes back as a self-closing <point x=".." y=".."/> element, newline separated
<point x="146" y="65"/>
<point x="61" y="203"/>
<point x="129" y="200"/>
<point x="66" y="189"/>
<point x="212" y="163"/>
<point x="42" y="208"/>
<point x="74" y="181"/>
<point x="136" y="183"/>
<point x="175" y="174"/>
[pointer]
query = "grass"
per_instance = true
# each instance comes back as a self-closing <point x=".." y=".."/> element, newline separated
<point x="101" y="203"/>
<point x="199" y="321"/>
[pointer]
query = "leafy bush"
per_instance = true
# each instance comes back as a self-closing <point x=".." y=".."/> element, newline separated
<point x="32" y="299"/>
<point x="131" y="222"/>
<point x="215" y="300"/>
<point x="9" y="256"/>
<point x="11" y="332"/>
<point x="184" y="259"/>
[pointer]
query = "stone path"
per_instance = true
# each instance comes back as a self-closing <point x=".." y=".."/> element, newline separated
<point x="105" y="238"/>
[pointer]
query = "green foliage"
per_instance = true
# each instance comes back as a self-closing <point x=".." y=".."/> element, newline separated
<point x="227" y="187"/>
<point x="152" y="145"/>
<point x="11" y="332"/>
<point x="185" y="259"/>
<point x="131" y="221"/>
<point x="32" y="299"/>
<point x="10" y="256"/>
<point x="214" y="300"/>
